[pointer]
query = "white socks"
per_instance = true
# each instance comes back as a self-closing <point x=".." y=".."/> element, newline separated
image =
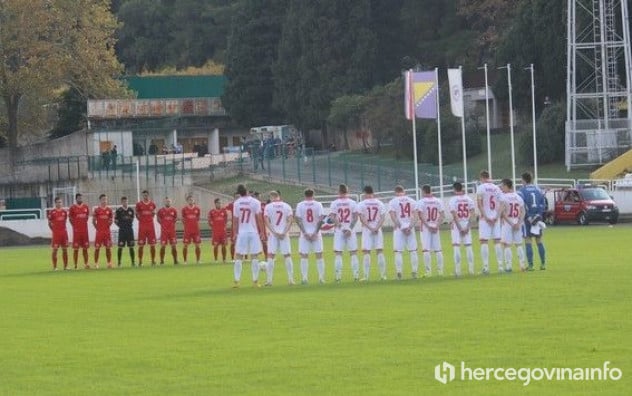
<point x="457" y="260"/>
<point x="439" y="255"/>
<point x="338" y="266"/>
<point x="289" y="267"/>
<point x="485" y="256"/>
<point x="366" y="261"/>
<point x="499" y="255"/>
<point x="304" y="269"/>
<point x="381" y="263"/>
<point x="398" y="262"/>
<point x="427" y="262"/>
<point x="237" y="270"/>
<point x="414" y="261"/>
<point x="270" y="270"/>
<point x="255" y="270"/>
<point x="355" y="266"/>
<point x="320" y="265"/>
<point x="469" y="253"/>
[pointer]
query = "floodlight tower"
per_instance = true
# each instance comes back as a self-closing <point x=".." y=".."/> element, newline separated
<point x="598" y="120"/>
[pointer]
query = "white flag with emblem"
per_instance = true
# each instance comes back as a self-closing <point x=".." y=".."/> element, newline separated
<point x="456" y="91"/>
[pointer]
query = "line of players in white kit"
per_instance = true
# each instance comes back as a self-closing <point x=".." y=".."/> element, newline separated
<point x="501" y="219"/>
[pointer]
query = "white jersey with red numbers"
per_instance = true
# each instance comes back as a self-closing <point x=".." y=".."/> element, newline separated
<point x="344" y="208"/>
<point x="279" y="213"/>
<point x="310" y="212"/>
<point x="373" y="211"/>
<point x="489" y="194"/>
<point x="512" y="205"/>
<point x="403" y="207"/>
<point x="245" y="210"/>
<point x="461" y="207"/>
<point x="430" y="209"/>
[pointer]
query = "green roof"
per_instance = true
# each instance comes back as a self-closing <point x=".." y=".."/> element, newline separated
<point x="176" y="87"/>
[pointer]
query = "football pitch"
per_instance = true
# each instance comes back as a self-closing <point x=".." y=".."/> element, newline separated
<point x="184" y="330"/>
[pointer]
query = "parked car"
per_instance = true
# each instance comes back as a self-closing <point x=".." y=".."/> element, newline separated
<point x="583" y="205"/>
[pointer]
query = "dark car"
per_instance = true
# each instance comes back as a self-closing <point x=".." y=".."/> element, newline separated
<point x="584" y="205"/>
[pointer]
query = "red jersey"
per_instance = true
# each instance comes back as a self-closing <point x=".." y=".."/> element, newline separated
<point x="103" y="219"/>
<point x="145" y="212"/>
<point x="167" y="218"/>
<point x="218" y="218"/>
<point x="57" y="220"/>
<point x="78" y="215"/>
<point x="191" y="219"/>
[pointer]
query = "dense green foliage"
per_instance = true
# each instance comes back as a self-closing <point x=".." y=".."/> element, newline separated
<point x="252" y="53"/>
<point x="71" y="114"/>
<point x="289" y="61"/>
<point x="550" y="133"/>
<point x="160" y="33"/>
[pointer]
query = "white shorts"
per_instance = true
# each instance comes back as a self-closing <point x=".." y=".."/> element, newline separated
<point x="248" y="243"/>
<point x="341" y="242"/>
<point x="511" y="236"/>
<point x="458" y="239"/>
<point x="487" y="232"/>
<point x="371" y="241"/>
<point x="430" y="241"/>
<point x="305" y="246"/>
<point x="403" y="242"/>
<point x="276" y="245"/>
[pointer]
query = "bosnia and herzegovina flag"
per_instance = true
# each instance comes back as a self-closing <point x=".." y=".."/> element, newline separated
<point x="421" y="94"/>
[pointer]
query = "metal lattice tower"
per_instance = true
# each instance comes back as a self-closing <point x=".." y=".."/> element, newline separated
<point x="598" y="124"/>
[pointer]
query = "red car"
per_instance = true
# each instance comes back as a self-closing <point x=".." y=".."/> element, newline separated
<point x="583" y="205"/>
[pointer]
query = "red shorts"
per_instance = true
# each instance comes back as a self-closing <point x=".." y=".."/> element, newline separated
<point x="167" y="238"/>
<point x="191" y="237"/>
<point x="80" y="240"/>
<point x="59" y="240"/>
<point x="146" y="233"/>
<point x="103" y="238"/>
<point x="219" y="238"/>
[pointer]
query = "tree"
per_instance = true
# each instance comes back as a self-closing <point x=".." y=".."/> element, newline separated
<point x="451" y="136"/>
<point x="47" y="45"/>
<point x="384" y="116"/>
<point x="345" y="113"/>
<point x="550" y="129"/>
<point x="250" y="56"/>
<point x="160" y="33"/>
<point x="489" y="18"/>
<point x="327" y="50"/>
<point x="143" y="36"/>
<point x="537" y="35"/>
<point x="71" y="114"/>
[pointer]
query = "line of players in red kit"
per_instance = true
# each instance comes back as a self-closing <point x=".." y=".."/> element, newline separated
<point x="104" y="216"/>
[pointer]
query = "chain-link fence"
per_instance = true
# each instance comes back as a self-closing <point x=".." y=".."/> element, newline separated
<point x="303" y="166"/>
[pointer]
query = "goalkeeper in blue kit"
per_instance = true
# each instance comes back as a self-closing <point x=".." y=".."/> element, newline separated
<point x="535" y="208"/>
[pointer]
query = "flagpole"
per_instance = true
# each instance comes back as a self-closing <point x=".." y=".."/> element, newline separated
<point x="489" y="144"/>
<point x="535" y="143"/>
<point x="511" y="124"/>
<point x="463" y="131"/>
<point x="413" y="116"/>
<point x="439" y="148"/>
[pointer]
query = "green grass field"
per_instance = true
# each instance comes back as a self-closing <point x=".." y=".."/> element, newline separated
<point x="183" y="330"/>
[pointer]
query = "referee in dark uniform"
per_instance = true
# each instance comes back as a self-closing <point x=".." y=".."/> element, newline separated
<point x="124" y="218"/>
